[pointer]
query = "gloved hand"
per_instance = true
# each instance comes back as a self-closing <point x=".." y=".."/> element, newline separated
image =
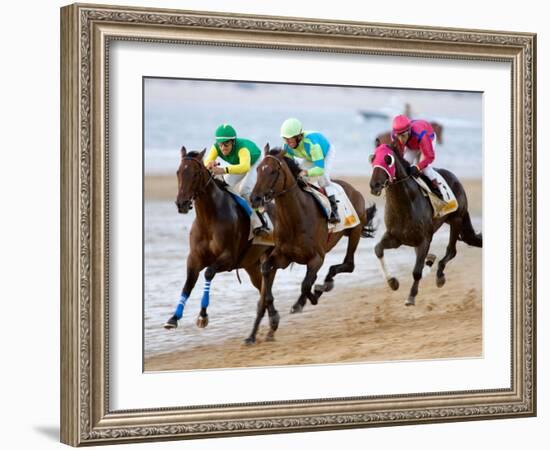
<point x="413" y="171"/>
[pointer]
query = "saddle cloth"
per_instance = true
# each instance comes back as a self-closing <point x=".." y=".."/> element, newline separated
<point x="254" y="220"/>
<point x="440" y="207"/>
<point x="346" y="211"/>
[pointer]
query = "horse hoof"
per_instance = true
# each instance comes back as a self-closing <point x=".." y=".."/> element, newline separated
<point x="313" y="299"/>
<point x="393" y="283"/>
<point x="440" y="281"/>
<point x="410" y="301"/>
<point x="296" y="308"/>
<point x="270" y="337"/>
<point x="274" y="321"/>
<point x="171" y="324"/>
<point x="328" y="286"/>
<point x="251" y="340"/>
<point x="430" y="259"/>
<point x="202" y="322"/>
<point x="318" y="289"/>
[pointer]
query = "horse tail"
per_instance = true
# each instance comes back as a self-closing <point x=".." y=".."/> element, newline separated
<point x="369" y="229"/>
<point x="239" y="277"/>
<point x="468" y="234"/>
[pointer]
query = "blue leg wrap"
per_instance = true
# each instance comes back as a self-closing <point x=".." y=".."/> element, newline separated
<point x="206" y="295"/>
<point x="181" y="305"/>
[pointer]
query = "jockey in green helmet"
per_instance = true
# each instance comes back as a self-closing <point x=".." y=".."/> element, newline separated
<point x="242" y="157"/>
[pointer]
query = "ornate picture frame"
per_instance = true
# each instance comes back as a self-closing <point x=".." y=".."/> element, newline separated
<point x="87" y="31"/>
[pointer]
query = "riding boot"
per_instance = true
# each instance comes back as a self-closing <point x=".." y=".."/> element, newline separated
<point x="262" y="230"/>
<point x="436" y="190"/>
<point x="334" y="217"/>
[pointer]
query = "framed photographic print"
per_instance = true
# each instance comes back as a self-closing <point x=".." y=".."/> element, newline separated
<point x="282" y="224"/>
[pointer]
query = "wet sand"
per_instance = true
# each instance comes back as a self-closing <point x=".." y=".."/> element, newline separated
<point x="351" y="324"/>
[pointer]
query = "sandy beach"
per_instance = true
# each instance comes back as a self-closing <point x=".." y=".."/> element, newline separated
<point x="352" y="324"/>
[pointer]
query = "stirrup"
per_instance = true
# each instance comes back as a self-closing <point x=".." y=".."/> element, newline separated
<point x="261" y="231"/>
<point x="334" y="218"/>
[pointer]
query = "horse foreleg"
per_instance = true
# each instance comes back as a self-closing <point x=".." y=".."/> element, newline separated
<point x="268" y="270"/>
<point x="451" y="250"/>
<point x="347" y="266"/>
<point x="193" y="270"/>
<point x="202" y="319"/>
<point x="313" y="267"/>
<point x="387" y="242"/>
<point x="421" y="253"/>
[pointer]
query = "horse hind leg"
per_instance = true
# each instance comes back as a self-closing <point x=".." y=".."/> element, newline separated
<point x="451" y="251"/>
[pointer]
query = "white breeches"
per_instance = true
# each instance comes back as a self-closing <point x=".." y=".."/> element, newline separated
<point x="415" y="156"/>
<point x="324" y="180"/>
<point x="244" y="183"/>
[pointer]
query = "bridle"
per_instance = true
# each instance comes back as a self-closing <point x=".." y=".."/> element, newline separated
<point x="388" y="182"/>
<point x="201" y="191"/>
<point x="271" y="194"/>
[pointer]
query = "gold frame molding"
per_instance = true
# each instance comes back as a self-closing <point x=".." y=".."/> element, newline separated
<point x="86" y="32"/>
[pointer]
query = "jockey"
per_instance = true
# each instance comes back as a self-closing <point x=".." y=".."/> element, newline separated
<point x="317" y="154"/>
<point x="243" y="158"/>
<point x="415" y="139"/>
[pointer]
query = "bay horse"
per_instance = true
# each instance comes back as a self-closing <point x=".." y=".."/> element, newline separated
<point x="218" y="239"/>
<point x="300" y="233"/>
<point x="385" y="138"/>
<point x="409" y="216"/>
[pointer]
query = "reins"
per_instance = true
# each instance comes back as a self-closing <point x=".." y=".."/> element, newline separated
<point x="210" y="177"/>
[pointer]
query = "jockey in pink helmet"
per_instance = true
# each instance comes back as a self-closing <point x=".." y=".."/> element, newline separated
<point x="415" y="140"/>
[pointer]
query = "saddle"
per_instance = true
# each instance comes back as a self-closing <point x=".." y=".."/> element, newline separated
<point x="346" y="211"/>
<point x="254" y="220"/>
<point x="440" y="207"/>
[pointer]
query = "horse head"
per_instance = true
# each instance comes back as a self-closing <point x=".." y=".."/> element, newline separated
<point x="193" y="178"/>
<point x="387" y="167"/>
<point x="274" y="174"/>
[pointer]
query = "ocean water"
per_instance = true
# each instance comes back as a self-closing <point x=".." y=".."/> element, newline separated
<point x="178" y="112"/>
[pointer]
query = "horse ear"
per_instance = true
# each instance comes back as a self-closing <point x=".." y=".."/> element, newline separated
<point x="371" y="158"/>
<point x="377" y="142"/>
<point x="200" y="156"/>
<point x="183" y="151"/>
<point x="266" y="148"/>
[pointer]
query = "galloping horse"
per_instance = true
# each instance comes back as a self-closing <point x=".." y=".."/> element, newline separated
<point x="219" y="234"/>
<point x="409" y="216"/>
<point x="301" y="233"/>
<point x="385" y="138"/>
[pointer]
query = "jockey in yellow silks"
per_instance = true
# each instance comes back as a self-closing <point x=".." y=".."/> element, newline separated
<point x="242" y="157"/>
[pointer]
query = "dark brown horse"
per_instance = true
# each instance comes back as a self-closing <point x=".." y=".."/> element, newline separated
<point x="218" y="239"/>
<point x="300" y="232"/>
<point x="385" y="138"/>
<point x="409" y="216"/>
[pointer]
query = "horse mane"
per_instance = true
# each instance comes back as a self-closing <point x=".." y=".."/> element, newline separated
<point x="292" y="165"/>
<point x="397" y="154"/>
